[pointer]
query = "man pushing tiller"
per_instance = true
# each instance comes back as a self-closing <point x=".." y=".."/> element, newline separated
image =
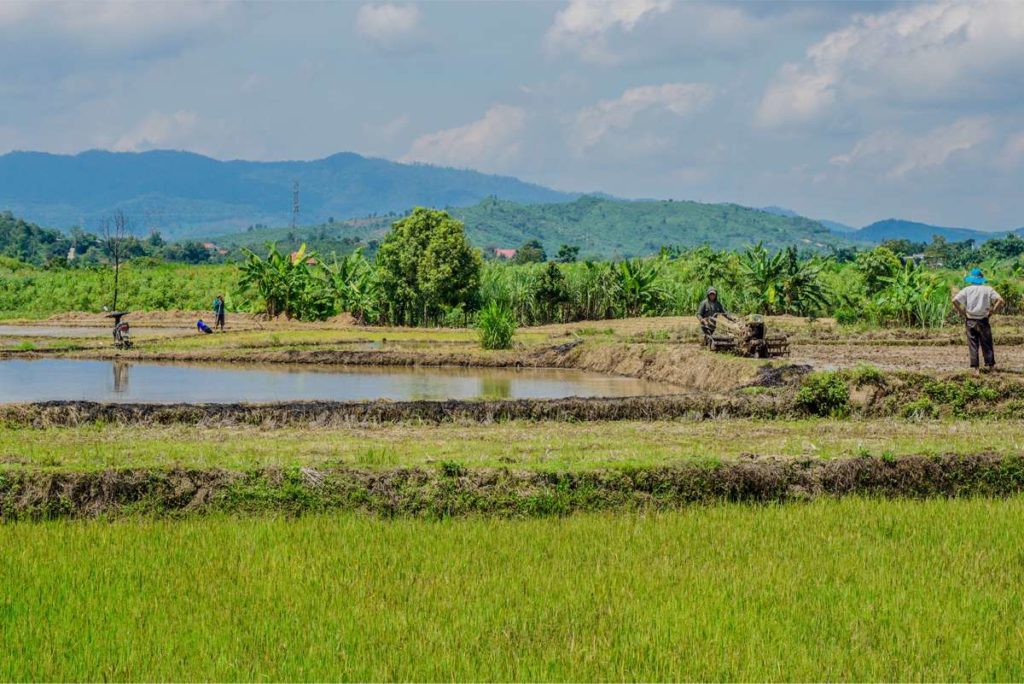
<point x="975" y="303"/>
<point x="708" y="311"/>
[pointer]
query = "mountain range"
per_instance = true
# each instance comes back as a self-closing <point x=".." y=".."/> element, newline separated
<point x="188" y="195"/>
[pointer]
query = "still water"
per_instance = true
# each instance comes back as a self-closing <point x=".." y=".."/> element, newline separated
<point x="119" y="381"/>
<point x="81" y="331"/>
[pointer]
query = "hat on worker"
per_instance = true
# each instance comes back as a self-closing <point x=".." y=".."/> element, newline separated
<point x="712" y="290"/>
<point x="976" y="277"/>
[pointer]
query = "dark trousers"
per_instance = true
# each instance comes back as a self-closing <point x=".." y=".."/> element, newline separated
<point x="220" y="320"/>
<point x="979" y="334"/>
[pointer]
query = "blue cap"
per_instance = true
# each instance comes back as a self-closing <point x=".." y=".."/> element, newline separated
<point x="976" y="277"/>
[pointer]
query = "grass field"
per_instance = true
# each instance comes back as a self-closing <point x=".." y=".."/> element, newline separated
<point x="835" y="590"/>
<point x="519" y="444"/>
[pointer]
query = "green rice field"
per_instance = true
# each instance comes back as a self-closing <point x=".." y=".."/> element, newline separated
<point x="849" y="589"/>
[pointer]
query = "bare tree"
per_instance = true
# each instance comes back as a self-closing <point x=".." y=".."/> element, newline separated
<point x="115" y="232"/>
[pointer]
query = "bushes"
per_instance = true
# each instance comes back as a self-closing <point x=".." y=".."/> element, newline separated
<point x="497" y="325"/>
<point x="824" y="394"/>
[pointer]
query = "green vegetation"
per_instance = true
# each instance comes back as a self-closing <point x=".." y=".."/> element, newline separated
<point x="824" y="394"/>
<point x="28" y="243"/>
<point x="497" y="326"/>
<point x="426" y="268"/>
<point x="838" y="590"/>
<point x="287" y="285"/>
<point x="427" y="273"/>
<point x="546" y="445"/>
<point x="144" y="285"/>
<point x="608" y="228"/>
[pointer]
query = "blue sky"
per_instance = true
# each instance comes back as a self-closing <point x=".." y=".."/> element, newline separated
<point x="848" y="111"/>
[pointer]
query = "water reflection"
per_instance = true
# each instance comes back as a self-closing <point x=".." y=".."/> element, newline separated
<point x="56" y="379"/>
<point x="120" y="369"/>
<point x="495" y="388"/>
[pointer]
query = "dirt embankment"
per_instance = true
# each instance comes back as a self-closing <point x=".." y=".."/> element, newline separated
<point x="329" y="413"/>
<point x="686" y="366"/>
<point x="451" y="490"/>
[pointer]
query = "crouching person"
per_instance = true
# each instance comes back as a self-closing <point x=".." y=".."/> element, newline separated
<point x="976" y="303"/>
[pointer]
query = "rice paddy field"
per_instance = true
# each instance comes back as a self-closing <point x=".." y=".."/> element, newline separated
<point x="880" y="544"/>
<point x="850" y="589"/>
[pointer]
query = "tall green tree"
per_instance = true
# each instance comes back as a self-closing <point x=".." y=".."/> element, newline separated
<point x="551" y="291"/>
<point x="425" y="264"/>
<point x="532" y="252"/>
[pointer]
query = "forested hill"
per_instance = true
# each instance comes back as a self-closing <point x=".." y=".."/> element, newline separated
<point x="187" y="195"/>
<point x="898" y="229"/>
<point x="28" y="242"/>
<point x="603" y="227"/>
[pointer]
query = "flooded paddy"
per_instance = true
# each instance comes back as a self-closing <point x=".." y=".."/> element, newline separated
<point x="84" y="332"/>
<point x="147" y="382"/>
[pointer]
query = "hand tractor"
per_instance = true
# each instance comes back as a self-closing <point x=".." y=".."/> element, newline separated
<point x="745" y="337"/>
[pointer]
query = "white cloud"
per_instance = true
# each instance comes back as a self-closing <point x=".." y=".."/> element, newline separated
<point x="1013" y="151"/>
<point x="387" y="25"/>
<point x="582" y="27"/>
<point x="944" y="52"/>
<point x="593" y="124"/>
<point x="487" y="144"/>
<point x="158" y="131"/>
<point x="112" y="27"/>
<point x="898" y="154"/>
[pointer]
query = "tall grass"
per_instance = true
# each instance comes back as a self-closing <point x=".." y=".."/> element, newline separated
<point x="836" y="590"/>
<point x="497" y="326"/>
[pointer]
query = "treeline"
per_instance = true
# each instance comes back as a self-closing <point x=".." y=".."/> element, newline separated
<point x="426" y="273"/>
<point x="48" y="248"/>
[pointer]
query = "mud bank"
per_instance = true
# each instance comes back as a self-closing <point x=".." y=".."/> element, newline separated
<point x="328" y="413"/>
<point x="451" y="490"/>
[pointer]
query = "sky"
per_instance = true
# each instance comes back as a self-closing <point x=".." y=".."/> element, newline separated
<point x="848" y="111"/>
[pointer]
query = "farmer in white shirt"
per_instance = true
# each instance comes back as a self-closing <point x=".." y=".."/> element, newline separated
<point x="976" y="303"/>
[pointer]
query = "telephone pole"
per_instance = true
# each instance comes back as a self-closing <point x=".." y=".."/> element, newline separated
<point x="295" y="203"/>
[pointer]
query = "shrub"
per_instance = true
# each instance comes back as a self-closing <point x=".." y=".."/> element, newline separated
<point x="866" y="375"/>
<point x="922" y="408"/>
<point x="497" y="325"/>
<point x="824" y="394"/>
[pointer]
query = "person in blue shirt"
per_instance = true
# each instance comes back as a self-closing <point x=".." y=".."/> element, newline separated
<point x="203" y="328"/>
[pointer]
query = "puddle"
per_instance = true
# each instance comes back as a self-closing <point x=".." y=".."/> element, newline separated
<point x="119" y="381"/>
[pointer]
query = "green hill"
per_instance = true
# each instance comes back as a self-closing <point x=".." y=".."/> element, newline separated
<point x="603" y="227"/>
<point x="600" y="227"/>
<point x="28" y="242"/>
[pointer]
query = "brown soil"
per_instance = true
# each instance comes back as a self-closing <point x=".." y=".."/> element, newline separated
<point x="918" y="358"/>
<point x="453" y="490"/>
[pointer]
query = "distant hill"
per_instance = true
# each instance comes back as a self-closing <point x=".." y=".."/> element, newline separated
<point x="897" y="229"/>
<point x="338" y="237"/>
<point x="187" y="195"/>
<point x="834" y="226"/>
<point x="603" y="227"/>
